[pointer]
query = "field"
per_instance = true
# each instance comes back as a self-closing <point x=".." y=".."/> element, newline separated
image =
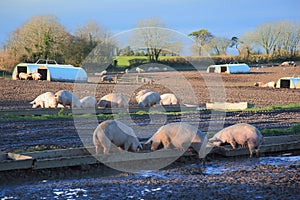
<point x="251" y="178"/>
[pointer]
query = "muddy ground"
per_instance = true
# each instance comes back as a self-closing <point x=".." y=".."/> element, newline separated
<point x="252" y="179"/>
<point x="192" y="87"/>
<point x="270" y="177"/>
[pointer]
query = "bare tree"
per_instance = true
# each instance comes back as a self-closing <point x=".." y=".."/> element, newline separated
<point x="289" y="38"/>
<point x="153" y="37"/>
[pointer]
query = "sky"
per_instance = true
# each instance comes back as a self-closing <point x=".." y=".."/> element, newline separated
<point x="223" y="18"/>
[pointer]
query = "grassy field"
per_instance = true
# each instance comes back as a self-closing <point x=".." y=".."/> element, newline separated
<point x="123" y="61"/>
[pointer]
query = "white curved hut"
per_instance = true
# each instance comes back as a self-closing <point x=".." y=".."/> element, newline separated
<point x="52" y="72"/>
<point x="229" y="68"/>
<point x="288" y="82"/>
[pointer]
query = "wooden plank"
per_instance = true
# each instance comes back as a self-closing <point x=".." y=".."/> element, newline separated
<point x="270" y="148"/>
<point x="64" y="162"/>
<point x="60" y="153"/>
<point x="281" y="139"/>
<point x="3" y="156"/>
<point x="15" y="156"/>
<point x="54" y="162"/>
<point x="227" y="106"/>
<point x="15" y="164"/>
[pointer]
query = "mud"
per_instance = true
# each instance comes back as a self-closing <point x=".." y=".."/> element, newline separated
<point x="221" y="178"/>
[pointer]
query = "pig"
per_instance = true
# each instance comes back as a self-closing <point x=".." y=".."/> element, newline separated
<point x="45" y="100"/>
<point x="242" y="134"/>
<point x="36" y="76"/>
<point x="113" y="100"/>
<point x="88" y="102"/>
<point x="141" y="93"/>
<point x="149" y="99"/>
<point x="116" y="132"/>
<point x="108" y="78"/>
<point x="179" y="135"/>
<point x="104" y="72"/>
<point x="271" y="84"/>
<point x="288" y="63"/>
<point x="148" y="81"/>
<point x="169" y="99"/>
<point x="67" y="98"/>
<point x="139" y="70"/>
<point x="24" y="76"/>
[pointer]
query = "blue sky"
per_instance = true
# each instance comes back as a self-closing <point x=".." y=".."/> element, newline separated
<point x="222" y="18"/>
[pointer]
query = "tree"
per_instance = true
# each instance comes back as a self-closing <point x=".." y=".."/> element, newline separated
<point x="235" y="42"/>
<point x="219" y="45"/>
<point x="201" y="38"/>
<point x="267" y="35"/>
<point x="40" y="37"/>
<point x="153" y="37"/>
<point x="86" y="38"/>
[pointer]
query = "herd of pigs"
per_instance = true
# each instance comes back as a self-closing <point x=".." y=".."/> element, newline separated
<point x="177" y="135"/>
<point x="64" y="98"/>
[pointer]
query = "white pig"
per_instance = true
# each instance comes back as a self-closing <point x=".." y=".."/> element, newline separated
<point x="116" y="132"/>
<point x="179" y="135"/>
<point x="45" y="100"/>
<point x="141" y="93"/>
<point x="113" y="100"/>
<point x="88" y="102"/>
<point x="67" y="98"/>
<point x="169" y="99"/>
<point x="242" y="134"/>
<point x="149" y="99"/>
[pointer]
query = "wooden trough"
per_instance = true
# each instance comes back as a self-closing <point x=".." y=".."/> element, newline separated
<point x="85" y="156"/>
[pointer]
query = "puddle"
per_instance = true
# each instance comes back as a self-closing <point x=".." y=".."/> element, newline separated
<point x="280" y="160"/>
<point x="216" y="169"/>
<point x="69" y="193"/>
<point x="150" y="174"/>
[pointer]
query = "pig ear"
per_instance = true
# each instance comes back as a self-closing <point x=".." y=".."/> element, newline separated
<point x="32" y="102"/>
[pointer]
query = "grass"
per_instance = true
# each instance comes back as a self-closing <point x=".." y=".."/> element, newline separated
<point x="294" y="129"/>
<point x="276" y="107"/>
<point x="62" y="116"/>
<point x="123" y="61"/>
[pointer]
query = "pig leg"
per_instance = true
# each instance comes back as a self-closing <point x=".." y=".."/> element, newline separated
<point x="126" y="146"/>
<point x="167" y="143"/>
<point x="233" y="144"/>
<point x="250" y="147"/>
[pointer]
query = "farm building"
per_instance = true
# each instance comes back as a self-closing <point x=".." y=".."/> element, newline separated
<point x="52" y="72"/>
<point x="288" y="82"/>
<point x="229" y="68"/>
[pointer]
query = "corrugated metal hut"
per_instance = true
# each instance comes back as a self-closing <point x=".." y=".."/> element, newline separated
<point x="23" y="67"/>
<point x="52" y="72"/>
<point x="229" y="68"/>
<point x="288" y="82"/>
